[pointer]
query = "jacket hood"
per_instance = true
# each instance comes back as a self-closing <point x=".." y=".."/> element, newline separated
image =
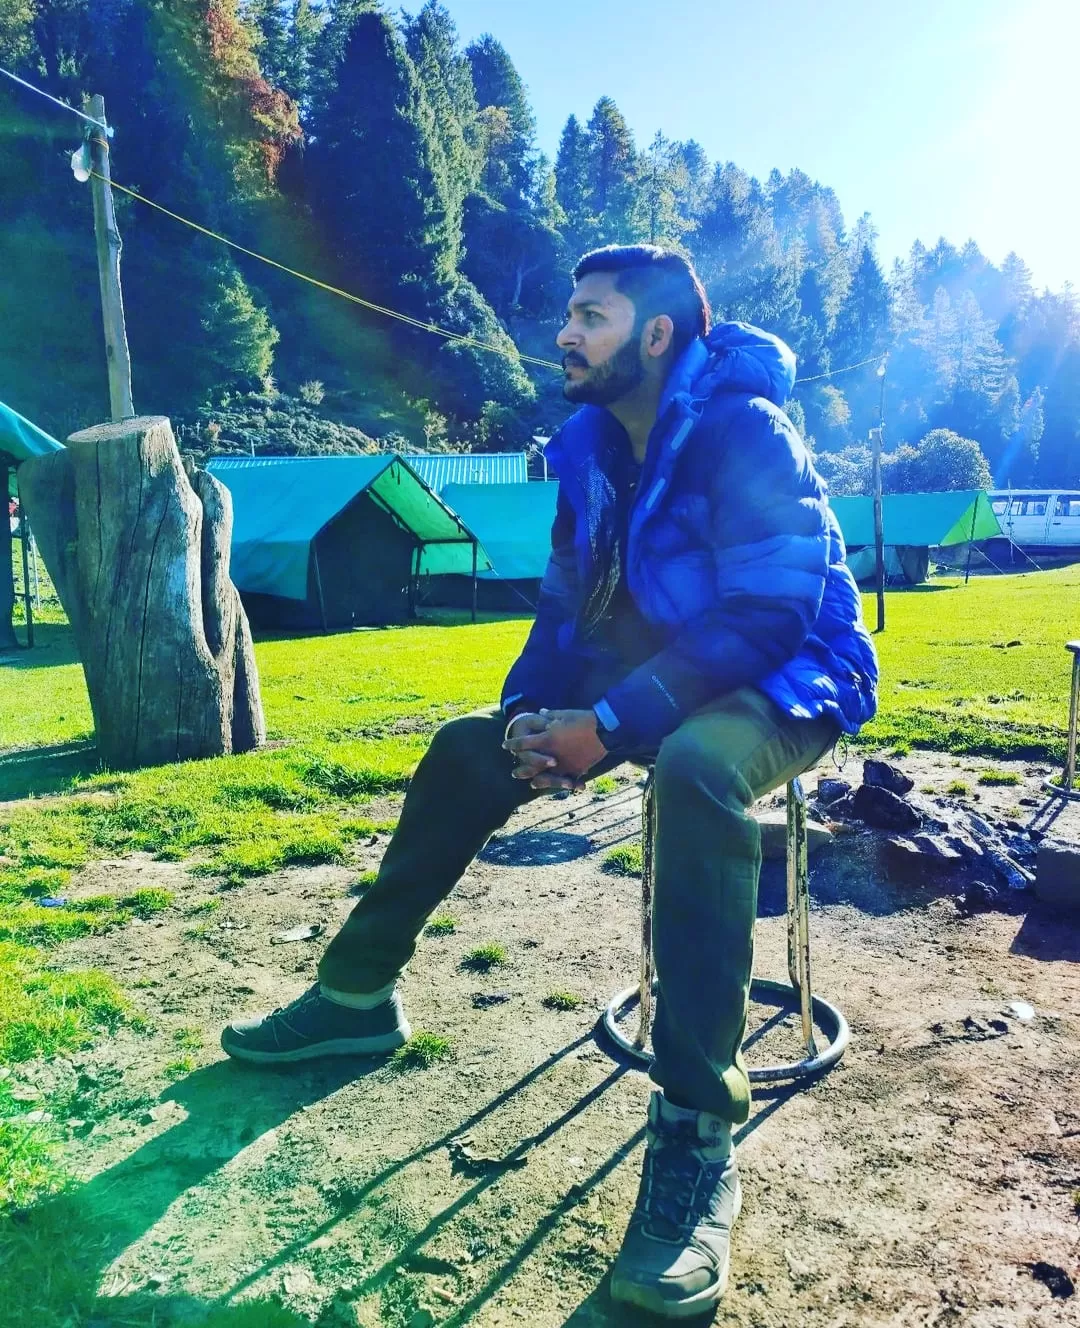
<point x="734" y="357"/>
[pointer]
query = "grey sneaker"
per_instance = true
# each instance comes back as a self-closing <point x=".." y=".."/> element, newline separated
<point x="314" y="1026"/>
<point x="674" y="1258"/>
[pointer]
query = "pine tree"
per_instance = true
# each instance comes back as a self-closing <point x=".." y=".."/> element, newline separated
<point x="658" y="219"/>
<point x="612" y="174"/>
<point x="572" y="182"/>
<point x="507" y="138"/>
<point x="374" y="142"/>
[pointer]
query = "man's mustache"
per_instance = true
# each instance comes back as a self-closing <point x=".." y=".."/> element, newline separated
<point x="572" y="357"/>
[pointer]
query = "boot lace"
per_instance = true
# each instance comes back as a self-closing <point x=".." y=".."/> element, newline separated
<point x="678" y="1184"/>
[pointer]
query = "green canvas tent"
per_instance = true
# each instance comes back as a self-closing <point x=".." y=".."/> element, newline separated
<point x="334" y="541"/>
<point x="912" y="524"/>
<point x="513" y="524"/>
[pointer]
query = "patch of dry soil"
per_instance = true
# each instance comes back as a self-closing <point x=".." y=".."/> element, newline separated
<point x="917" y="1184"/>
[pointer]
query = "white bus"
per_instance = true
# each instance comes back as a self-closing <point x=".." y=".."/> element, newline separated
<point x="1039" y="518"/>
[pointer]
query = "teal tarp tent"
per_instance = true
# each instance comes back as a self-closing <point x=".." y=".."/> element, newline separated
<point x="912" y="524"/>
<point x="513" y="524"/>
<point x="337" y="540"/>
<point x="19" y="441"/>
<point x="22" y="440"/>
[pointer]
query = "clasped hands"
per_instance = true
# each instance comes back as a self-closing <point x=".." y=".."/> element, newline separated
<point x="554" y="749"/>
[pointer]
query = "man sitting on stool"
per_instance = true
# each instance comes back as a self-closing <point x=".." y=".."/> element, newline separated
<point x="696" y="612"/>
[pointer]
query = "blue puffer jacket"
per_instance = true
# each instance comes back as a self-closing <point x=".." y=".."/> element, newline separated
<point x="733" y="555"/>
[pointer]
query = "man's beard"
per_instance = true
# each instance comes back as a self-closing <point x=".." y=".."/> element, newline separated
<point x="607" y="382"/>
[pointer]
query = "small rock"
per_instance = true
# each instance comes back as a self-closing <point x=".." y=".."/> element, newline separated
<point x="879" y="774"/>
<point x="977" y="898"/>
<point x="36" y="1117"/>
<point x="306" y="932"/>
<point x="156" y="1281"/>
<point x="1057" y="1279"/>
<point x="842" y="807"/>
<point x="938" y="849"/>
<point x="1028" y="802"/>
<point x="965" y="845"/>
<point x="298" y="1282"/>
<point x="774" y="835"/>
<point x="879" y="807"/>
<point x="25" y="1093"/>
<point x="1057" y="874"/>
<point x="830" y="790"/>
<point x="483" y="999"/>
<point x="1021" y="1010"/>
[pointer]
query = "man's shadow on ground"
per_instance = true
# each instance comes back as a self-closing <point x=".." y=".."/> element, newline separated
<point x="88" y="1227"/>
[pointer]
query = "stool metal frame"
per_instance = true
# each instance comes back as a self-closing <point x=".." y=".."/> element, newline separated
<point x="1068" y="778"/>
<point x="811" y="1007"/>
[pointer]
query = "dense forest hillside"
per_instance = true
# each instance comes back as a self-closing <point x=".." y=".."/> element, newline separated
<point x="373" y="151"/>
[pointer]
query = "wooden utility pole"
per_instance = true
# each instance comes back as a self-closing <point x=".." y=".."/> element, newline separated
<point x="879" y="530"/>
<point x="879" y="534"/>
<point x="107" y="239"/>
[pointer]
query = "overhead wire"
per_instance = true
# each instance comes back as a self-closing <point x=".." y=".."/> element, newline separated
<point x="458" y="338"/>
<point x="100" y="124"/>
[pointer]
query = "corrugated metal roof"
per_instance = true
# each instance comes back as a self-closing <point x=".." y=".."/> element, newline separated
<point x="438" y="469"/>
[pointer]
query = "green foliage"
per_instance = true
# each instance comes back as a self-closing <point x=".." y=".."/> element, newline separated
<point x="942" y="460"/>
<point x="623" y="861"/>
<point x="605" y="784"/>
<point x="958" y="789"/>
<point x="562" y="1000"/>
<point x="485" y="957"/>
<point x="422" y="1051"/>
<point x="149" y="900"/>
<point x="999" y="778"/>
<point x="44" y="1012"/>
<point x="443" y="925"/>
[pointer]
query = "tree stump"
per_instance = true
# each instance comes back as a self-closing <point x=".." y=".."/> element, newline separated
<point x="139" y="553"/>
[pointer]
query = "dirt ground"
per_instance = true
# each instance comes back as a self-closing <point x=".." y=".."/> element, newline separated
<point x="919" y="1183"/>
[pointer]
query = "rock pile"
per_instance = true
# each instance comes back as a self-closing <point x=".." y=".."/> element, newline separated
<point x="930" y="838"/>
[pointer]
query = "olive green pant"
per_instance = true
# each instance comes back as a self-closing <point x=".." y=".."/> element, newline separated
<point x="708" y="858"/>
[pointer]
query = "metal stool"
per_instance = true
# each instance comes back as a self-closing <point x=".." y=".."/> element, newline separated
<point x="1065" y="788"/>
<point x="811" y="1007"/>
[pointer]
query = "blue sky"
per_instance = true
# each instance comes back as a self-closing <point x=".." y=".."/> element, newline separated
<point x="939" y="117"/>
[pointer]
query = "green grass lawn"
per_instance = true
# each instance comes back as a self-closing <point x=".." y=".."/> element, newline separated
<point x="951" y="678"/>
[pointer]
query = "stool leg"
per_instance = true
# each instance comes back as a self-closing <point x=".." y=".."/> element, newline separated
<point x="798" y="917"/>
<point x="648" y="834"/>
<point x="1074" y="706"/>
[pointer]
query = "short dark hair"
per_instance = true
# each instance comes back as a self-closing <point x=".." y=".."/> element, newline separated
<point x="658" y="281"/>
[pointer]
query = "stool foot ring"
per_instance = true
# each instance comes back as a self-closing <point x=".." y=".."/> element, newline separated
<point x="1059" y="791"/>
<point x="826" y="1016"/>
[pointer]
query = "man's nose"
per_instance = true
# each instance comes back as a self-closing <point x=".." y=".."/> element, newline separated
<point x="567" y="338"/>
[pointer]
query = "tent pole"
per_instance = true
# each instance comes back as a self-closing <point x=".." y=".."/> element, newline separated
<point x="414" y="574"/>
<point x="24" y="530"/>
<point x="318" y="582"/>
<point x="971" y="537"/>
<point x="474" y="580"/>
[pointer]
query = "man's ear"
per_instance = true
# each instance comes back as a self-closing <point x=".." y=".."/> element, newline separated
<point x="657" y="335"/>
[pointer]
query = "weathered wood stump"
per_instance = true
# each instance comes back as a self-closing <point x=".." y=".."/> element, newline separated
<point x="139" y="552"/>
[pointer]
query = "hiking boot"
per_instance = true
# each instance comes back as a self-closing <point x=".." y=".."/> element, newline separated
<point x="314" y="1026"/>
<point x="674" y="1258"/>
